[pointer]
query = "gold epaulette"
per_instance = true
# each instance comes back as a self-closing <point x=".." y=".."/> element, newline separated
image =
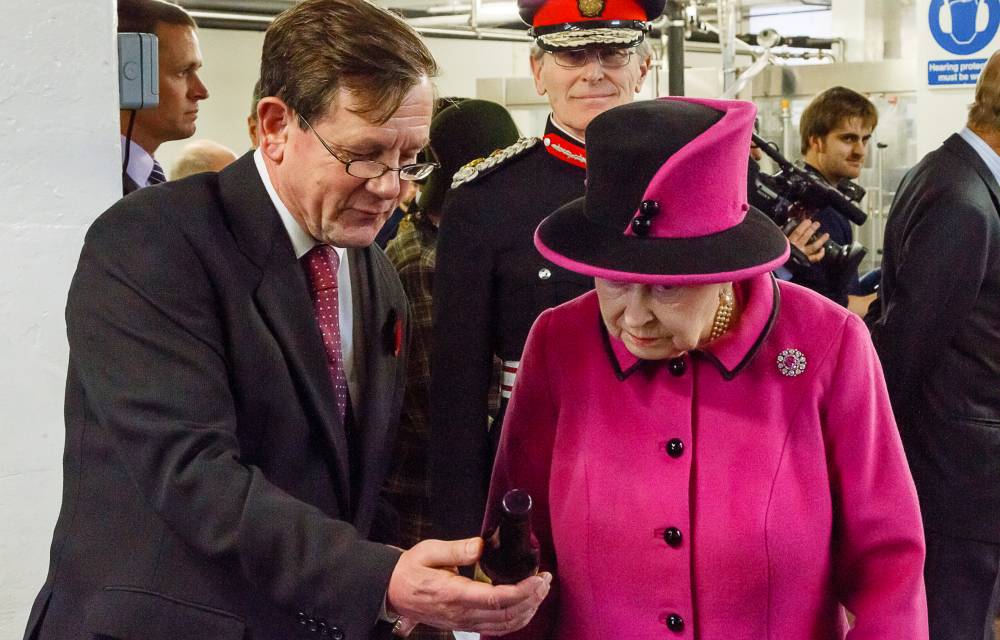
<point x="482" y="166"/>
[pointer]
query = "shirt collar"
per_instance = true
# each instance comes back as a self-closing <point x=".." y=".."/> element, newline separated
<point x="552" y="127"/>
<point x="140" y="162"/>
<point x="302" y="242"/>
<point x="758" y="299"/>
<point x="984" y="150"/>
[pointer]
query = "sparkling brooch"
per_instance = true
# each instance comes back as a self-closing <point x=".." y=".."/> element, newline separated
<point x="791" y="362"/>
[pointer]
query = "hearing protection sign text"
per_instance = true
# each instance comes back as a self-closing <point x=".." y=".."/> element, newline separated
<point x="965" y="71"/>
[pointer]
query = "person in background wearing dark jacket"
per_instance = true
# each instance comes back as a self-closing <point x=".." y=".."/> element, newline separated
<point x="181" y="89"/>
<point x="459" y="133"/>
<point x="491" y="282"/>
<point x="835" y="130"/>
<point x="936" y="326"/>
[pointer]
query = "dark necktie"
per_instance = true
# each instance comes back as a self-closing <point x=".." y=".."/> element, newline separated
<point x="321" y="264"/>
<point x="157" y="176"/>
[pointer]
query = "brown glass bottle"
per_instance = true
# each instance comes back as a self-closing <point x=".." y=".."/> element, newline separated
<point x="510" y="552"/>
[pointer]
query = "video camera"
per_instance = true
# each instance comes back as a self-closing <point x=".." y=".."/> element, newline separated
<point x="795" y="194"/>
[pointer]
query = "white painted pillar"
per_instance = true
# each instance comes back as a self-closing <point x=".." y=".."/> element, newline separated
<point x="849" y="22"/>
<point x="60" y="168"/>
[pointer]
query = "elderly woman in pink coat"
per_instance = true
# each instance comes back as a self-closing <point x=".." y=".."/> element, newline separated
<point x="711" y="451"/>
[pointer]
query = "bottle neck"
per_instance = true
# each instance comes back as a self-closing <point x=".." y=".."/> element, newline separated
<point x="514" y="531"/>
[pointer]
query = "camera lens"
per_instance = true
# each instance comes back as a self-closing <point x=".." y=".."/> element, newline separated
<point x="844" y="258"/>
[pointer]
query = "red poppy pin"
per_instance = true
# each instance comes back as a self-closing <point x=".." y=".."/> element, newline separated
<point x="398" y="335"/>
<point x="392" y="332"/>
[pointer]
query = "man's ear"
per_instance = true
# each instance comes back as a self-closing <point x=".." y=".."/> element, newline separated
<point x="536" y="73"/>
<point x="274" y="119"/>
<point x="816" y="143"/>
<point x="644" y="66"/>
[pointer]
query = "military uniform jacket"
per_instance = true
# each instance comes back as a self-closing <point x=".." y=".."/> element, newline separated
<point x="490" y="286"/>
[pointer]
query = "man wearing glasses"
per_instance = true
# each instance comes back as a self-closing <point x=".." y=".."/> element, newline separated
<point x="491" y="283"/>
<point x="237" y="353"/>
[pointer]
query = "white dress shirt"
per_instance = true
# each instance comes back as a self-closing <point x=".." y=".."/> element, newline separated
<point x="140" y="163"/>
<point x="302" y="242"/>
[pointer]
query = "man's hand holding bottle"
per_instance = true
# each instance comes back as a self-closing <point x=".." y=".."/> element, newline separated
<point x="426" y="588"/>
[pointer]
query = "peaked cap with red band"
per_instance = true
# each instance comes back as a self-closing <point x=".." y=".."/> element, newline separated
<point x="573" y="24"/>
<point x="666" y="199"/>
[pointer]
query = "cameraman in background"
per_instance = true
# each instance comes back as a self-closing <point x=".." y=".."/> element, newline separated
<point x="835" y="129"/>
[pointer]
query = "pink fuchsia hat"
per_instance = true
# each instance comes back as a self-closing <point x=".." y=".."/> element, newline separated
<point x="666" y="198"/>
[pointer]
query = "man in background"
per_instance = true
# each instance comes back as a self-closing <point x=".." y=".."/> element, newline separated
<point x="464" y="130"/>
<point x="835" y="130"/>
<point x="936" y="326"/>
<point x="179" y="59"/>
<point x="201" y="156"/>
<point x="491" y="283"/>
<point x="237" y="364"/>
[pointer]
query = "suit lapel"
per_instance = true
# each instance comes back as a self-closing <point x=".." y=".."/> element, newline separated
<point x="282" y="297"/>
<point x="969" y="155"/>
<point x="377" y="369"/>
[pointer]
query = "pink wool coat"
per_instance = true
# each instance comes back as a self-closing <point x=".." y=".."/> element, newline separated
<point x="786" y="497"/>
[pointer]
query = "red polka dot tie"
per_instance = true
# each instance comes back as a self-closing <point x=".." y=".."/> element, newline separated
<point x="321" y="268"/>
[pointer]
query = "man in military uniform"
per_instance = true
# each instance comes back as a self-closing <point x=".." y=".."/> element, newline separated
<point x="491" y="284"/>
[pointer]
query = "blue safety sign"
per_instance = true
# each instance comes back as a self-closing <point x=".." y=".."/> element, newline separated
<point x="964" y="27"/>
<point x="960" y="71"/>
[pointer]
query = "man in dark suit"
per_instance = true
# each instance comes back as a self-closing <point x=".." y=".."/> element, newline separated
<point x="180" y="88"/>
<point x="234" y="386"/>
<point x="936" y="326"/>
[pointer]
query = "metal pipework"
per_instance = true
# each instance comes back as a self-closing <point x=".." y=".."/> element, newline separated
<point x="727" y="12"/>
<point x="675" y="12"/>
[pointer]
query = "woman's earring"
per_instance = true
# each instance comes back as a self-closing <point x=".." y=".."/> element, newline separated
<point x="723" y="314"/>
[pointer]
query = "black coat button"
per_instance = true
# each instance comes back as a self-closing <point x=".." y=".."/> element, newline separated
<point x="312" y="625"/>
<point x="673" y="537"/>
<point x="675" y="448"/>
<point x="336" y="633"/>
<point x="323" y="629"/>
<point x="302" y="618"/>
<point x="677" y="366"/>
<point x="675" y="622"/>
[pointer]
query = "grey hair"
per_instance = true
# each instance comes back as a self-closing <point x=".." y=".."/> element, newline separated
<point x="984" y="113"/>
<point x="644" y="50"/>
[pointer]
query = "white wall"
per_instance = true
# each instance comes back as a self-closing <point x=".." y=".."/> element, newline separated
<point x="462" y="61"/>
<point x="60" y="168"/>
